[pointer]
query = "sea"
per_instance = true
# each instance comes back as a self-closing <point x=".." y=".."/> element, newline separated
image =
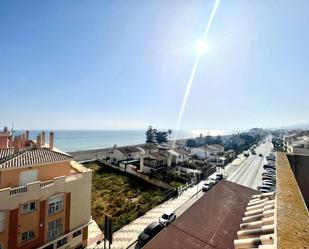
<point x="76" y="140"/>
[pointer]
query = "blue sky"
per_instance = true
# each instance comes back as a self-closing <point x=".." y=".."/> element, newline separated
<point x="125" y="64"/>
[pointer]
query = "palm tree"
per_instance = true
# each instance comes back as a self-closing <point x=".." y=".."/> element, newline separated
<point x="169" y="131"/>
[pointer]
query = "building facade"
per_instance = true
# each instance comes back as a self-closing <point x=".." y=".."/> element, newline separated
<point x="45" y="197"/>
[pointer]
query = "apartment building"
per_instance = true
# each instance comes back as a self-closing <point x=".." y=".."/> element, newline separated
<point x="45" y="196"/>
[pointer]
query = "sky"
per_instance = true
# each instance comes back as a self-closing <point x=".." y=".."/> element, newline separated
<point x="109" y="64"/>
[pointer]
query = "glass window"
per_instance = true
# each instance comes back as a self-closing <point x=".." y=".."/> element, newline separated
<point x="77" y="233"/>
<point x="27" y="235"/>
<point x="29" y="207"/>
<point x="54" y="228"/>
<point x="62" y="242"/>
<point x="55" y="204"/>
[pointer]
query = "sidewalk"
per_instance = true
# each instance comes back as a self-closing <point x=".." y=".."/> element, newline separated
<point x="127" y="235"/>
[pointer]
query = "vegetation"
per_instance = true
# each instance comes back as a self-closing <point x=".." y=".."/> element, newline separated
<point x="122" y="197"/>
<point x="191" y="143"/>
<point x="153" y="136"/>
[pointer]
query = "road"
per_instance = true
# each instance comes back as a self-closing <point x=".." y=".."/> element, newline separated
<point x="249" y="172"/>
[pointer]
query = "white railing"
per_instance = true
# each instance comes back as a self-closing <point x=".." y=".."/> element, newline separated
<point x="46" y="183"/>
<point x="18" y="190"/>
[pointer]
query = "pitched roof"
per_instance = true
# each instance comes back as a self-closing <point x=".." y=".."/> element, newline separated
<point x="27" y="157"/>
<point x="157" y="156"/>
<point x="182" y="151"/>
<point x="129" y="149"/>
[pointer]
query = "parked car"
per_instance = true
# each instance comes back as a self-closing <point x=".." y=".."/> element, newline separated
<point x="265" y="189"/>
<point x="267" y="177"/>
<point x="269" y="183"/>
<point x="149" y="232"/>
<point x="219" y="177"/>
<point x="168" y="217"/>
<point x="206" y="186"/>
<point x="269" y="171"/>
<point x="261" y="155"/>
<point x="269" y="166"/>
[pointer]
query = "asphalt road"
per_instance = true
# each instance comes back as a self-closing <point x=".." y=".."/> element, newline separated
<point x="249" y="172"/>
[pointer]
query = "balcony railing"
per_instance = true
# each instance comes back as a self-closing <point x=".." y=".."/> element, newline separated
<point x="18" y="190"/>
<point x="46" y="183"/>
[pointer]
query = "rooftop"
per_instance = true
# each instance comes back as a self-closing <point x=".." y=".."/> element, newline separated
<point x="29" y="156"/>
<point x="211" y="222"/>
<point x="128" y="149"/>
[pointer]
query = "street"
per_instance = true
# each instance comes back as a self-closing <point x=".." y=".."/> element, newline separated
<point x="249" y="172"/>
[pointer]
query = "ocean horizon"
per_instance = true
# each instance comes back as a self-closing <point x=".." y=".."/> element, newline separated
<point x="75" y="140"/>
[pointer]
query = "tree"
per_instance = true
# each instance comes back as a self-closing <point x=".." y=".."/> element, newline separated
<point x="161" y="137"/>
<point x="169" y="131"/>
<point x="191" y="143"/>
<point x="150" y="135"/>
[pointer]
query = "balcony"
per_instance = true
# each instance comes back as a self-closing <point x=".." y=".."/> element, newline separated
<point x="11" y="197"/>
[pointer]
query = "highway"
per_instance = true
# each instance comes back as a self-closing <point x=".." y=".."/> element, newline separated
<point x="249" y="171"/>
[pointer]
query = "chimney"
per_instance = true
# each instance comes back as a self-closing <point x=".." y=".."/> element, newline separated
<point x="27" y="135"/>
<point x="17" y="143"/>
<point x="43" y="138"/>
<point x="51" y="140"/>
<point x="23" y="140"/>
<point x="5" y="129"/>
<point x="38" y="141"/>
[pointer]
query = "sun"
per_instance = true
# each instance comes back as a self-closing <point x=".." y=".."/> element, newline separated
<point x="201" y="46"/>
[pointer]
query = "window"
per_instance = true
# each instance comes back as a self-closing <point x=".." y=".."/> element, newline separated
<point x="2" y="222"/>
<point x="55" y="204"/>
<point x="29" y="207"/>
<point x="54" y="228"/>
<point x="1" y="246"/>
<point x="77" y="233"/>
<point x="27" y="235"/>
<point x="62" y="242"/>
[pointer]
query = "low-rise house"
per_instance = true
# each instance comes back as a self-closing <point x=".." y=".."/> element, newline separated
<point x="179" y="155"/>
<point x="148" y="148"/>
<point x="152" y="162"/>
<point x="126" y="153"/>
<point x="199" y="152"/>
<point x="214" y="151"/>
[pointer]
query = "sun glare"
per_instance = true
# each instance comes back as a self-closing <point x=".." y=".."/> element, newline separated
<point x="201" y="46"/>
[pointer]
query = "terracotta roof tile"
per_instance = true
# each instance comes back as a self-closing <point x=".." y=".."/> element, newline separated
<point x="27" y="157"/>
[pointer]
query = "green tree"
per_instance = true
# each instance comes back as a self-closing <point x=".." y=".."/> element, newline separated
<point x="150" y="135"/>
<point x="161" y="137"/>
<point x="191" y="143"/>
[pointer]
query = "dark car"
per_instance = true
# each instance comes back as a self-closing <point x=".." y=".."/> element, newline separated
<point x="219" y="177"/>
<point x="149" y="232"/>
<point x="269" y="167"/>
<point x="261" y="155"/>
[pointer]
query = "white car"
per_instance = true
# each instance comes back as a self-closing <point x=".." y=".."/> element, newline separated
<point x="206" y="186"/>
<point x="167" y="217"/>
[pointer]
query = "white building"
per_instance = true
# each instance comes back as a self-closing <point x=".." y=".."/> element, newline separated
<point x="179" y="155"/>
<point x="199" y="152"/>
<point x="126" y="153"/>
<point x="213" y="151"/>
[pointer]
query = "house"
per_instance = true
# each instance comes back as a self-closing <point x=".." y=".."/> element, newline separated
<point x="126" y="153"/>
<point x="179" y="155"/>
<point x="148" y="148"/>
<point x="199" y="152"/>
<point x="45" y="196"/>
<point x="213" y="151"/>
<point x="152" y="162"/>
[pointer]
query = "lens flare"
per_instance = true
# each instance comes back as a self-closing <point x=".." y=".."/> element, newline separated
<point x="192" y="75"/>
